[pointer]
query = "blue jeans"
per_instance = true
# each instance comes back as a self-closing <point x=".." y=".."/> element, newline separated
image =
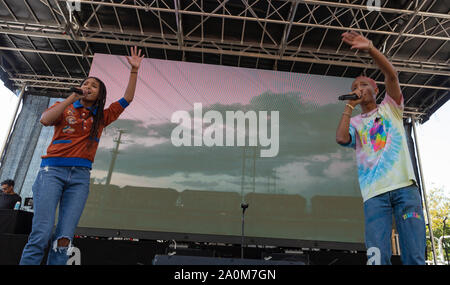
<point x="405" y="205"/>
<point x="68" y="187"/>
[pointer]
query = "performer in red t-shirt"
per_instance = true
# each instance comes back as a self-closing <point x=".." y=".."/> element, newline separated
<point x="65" y="170"/>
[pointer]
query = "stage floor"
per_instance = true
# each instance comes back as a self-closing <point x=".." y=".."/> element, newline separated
<point x="95" y="251"/>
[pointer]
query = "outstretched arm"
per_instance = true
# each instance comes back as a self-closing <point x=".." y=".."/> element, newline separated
<point x="135" y="62"/>
<point x="360" y="42"/>
<point x="53" y="114"/>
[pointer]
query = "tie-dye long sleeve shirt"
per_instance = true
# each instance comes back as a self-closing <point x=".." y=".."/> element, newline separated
<point x="382" y="154"/>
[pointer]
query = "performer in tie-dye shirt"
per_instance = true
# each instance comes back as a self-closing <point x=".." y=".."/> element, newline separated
<point x="386" y="176"/>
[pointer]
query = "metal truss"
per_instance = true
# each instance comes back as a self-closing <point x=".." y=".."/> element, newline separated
<point x="273" y="16"/>
<point x="46" y="82"/>
<point x="280" y="33"/>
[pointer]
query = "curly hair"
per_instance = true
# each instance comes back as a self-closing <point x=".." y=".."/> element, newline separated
<point x="8" y="182"/>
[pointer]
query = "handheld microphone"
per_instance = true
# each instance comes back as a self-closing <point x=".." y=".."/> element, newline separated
<point x="76" y="90"/>
<point x="348" y="97"/>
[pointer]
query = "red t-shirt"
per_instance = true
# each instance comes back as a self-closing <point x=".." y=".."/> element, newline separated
<point x="69" y="146"/>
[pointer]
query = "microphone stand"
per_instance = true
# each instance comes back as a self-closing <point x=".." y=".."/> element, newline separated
<point x="244" y="207"/>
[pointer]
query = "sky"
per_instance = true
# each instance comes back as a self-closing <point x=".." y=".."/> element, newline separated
<point x="8" y="103"/>
<point x="433" y="140"/>
<point x="175" y="85"/>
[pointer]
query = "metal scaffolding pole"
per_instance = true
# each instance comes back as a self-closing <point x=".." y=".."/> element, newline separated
<point x="424" y="194"/>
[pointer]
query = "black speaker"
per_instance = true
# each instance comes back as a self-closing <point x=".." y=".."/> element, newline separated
<point x="200" y="260"/>
<point x="11" y="247"/>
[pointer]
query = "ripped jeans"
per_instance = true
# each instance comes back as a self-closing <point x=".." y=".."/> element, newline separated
<point x="405" y="205"/>
<point x="68" y="187"/>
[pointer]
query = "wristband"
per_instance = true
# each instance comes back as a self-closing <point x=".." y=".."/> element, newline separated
<point x="350" y="106"/>
<point x="345" y="113"/>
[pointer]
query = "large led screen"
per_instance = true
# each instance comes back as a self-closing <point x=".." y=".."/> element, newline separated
<point x="199" y="140"/>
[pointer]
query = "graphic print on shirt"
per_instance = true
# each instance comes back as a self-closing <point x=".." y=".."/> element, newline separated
<point x="377" y="135"/>
<point x="70" y="112"/>
<point x="71" y="120"/>
<point x="68" y="130"/>
<point x="381" y="145"/>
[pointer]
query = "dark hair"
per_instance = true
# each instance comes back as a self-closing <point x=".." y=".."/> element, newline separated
<point x="8" y="182"/>
<point x="100" y="105"/>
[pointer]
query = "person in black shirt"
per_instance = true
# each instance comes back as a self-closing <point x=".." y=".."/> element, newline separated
<point x="7" y="197"/>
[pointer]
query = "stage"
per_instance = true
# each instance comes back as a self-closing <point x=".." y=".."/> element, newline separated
<point x="101" y="251"/>
<point x="235" y="103"/>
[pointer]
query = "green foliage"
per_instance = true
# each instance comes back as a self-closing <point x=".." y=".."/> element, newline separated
<point x="439" y="207"/>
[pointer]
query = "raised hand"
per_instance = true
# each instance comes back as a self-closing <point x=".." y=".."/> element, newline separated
<point x="357" y="41"/>
<point x="136" y="58"/>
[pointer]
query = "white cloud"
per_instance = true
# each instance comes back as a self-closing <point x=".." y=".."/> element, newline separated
<point x="339" y="169"/>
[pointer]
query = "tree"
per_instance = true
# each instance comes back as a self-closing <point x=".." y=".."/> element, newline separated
<point x="439" y="208"/>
